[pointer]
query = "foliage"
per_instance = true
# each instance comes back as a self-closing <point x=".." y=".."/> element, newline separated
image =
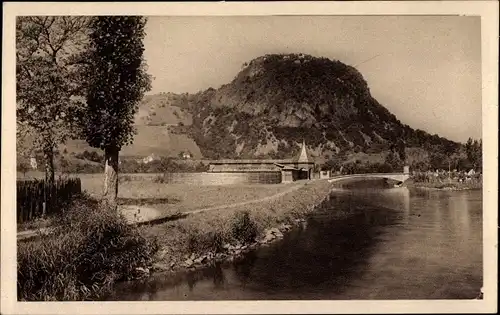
<point x="362" y="168"/>
<point x="89" y="250"/>
<point x="45" y="80"/>
<point x="22" y="166"/>
<point x="70" y="166"/>
<point x="162" y="165"/>
<point x="114" y="79"/>
<point x="243" y="228"/>
<point x="443" y="179"/>
<point x="474" y="152"/>
<point x="91" y="156"/>
<point x="394" y="160"/>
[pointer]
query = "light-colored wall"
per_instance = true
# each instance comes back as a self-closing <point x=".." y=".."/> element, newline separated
<point x="224" y="178"/>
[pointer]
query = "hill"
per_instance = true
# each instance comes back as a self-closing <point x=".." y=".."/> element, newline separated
<point x="156" y="116"/>
<point x="278" y="100"/>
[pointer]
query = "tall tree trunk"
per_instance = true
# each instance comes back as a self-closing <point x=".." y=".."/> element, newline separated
<point x="110" y="192"/>
<point x="48" y="155"/>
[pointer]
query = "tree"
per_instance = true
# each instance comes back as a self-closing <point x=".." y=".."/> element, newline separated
<point x="45" y="81"/>
<point x="114" y="78"/>
<point x="393" y="160"/>
<point x="400" y="148"/>
<point x="23" y="166"/>
<point x="438" y="160"/>
<point x="474" y="151"/>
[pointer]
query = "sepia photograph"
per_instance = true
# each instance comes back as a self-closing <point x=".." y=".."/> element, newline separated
<point x="161" y="153"/>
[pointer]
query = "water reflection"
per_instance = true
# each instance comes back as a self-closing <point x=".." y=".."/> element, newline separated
<point x="366" y="243"/>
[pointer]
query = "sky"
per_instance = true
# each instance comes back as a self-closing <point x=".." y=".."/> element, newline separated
<point x="425" y="69"/>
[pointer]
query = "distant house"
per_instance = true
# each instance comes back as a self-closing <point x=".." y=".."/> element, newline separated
<point x="325" y="174"/>
<point x="471" y="172"/>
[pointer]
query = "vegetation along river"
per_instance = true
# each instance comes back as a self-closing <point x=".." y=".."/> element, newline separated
<point x="368" y="242"/>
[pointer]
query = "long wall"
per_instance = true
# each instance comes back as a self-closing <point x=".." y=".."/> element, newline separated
<point x="228" y="178"/>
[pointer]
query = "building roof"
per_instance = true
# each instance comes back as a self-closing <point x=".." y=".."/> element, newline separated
<point x="303" y="156"/>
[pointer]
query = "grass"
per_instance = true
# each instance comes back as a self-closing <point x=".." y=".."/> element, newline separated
<point x="185" y="196"/>
<point x="90" y="249"/>
<point x="207" y="231"/>
<point x="140" y="189"/>
<point x="445" y="184"/>
<point x="38" y="223"/>
<point x="172" y="199"/>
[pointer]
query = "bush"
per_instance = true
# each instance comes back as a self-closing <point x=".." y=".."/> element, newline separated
<point x="89" y="250"/>
<point x="71" y="166"/>
<point x="210" y="241"/>
<point x="243" y="228"/>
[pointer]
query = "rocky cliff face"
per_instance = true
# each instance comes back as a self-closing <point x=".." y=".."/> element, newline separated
<point x="277" y="101"/>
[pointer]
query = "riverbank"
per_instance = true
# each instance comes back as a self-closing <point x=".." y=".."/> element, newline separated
<point x="61" y="259"/>
<point x="216" y="236"/>
<point x="89" y="248"/>
<point x="142" y="199"/>
<point x="445" y="185"/>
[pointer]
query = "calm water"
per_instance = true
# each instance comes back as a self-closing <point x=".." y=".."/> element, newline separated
<point x="366" y="243"/>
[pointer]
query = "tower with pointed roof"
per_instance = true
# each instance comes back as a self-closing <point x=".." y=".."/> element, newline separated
<point x="304" y="162"/>
<point x="303" y="155"/>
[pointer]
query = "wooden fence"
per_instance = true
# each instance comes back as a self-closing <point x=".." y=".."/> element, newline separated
<point x="36" y="199"/>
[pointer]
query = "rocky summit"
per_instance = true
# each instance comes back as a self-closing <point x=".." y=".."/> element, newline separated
<point x="277" y="101"/>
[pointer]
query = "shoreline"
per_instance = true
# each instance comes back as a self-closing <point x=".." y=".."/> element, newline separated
<point x="446" y="188"/>
<point x="173" y="257"/>
<point x="454" y="186"/>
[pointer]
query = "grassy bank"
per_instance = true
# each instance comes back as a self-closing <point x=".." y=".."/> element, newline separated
<point x="222" y="234"/>
<point x="90" y="249"/>
<point x="169" y="199"/>
<point x="445" y="184"/>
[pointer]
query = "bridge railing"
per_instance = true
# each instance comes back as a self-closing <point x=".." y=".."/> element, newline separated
<point x="368" y="175"/>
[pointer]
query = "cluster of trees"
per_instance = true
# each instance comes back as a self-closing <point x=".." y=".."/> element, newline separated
<point x="162" y="165"/>
<point x="474" y="152"/>
<point x="91" y="156"/>
<point x="424" y="177"/>
<point x="71" y="166"/>
<point x="80" y="77"/>
<point x="467" y="156"/>
<point x="362" y="168"/>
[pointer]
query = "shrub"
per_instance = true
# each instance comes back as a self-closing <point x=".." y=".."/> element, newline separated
<point x="72" y="166"/>
<point x="202" y="242"/>
<point x="243" y="228"/>
<point x="91" y="156"/>
<point x="89" y="250"/>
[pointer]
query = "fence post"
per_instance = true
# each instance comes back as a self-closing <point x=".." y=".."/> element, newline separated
<point x="35" y="198"/>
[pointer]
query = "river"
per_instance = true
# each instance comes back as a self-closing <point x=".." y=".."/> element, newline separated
<point x="368" y="242"/>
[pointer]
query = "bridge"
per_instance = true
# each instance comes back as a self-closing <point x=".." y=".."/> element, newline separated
<point x="400" y="177"/>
